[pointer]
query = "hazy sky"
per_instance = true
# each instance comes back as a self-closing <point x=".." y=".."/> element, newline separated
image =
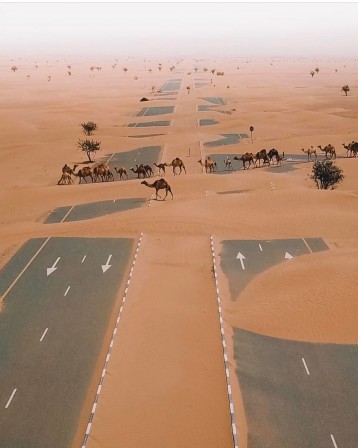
<point x="193" y="29"/>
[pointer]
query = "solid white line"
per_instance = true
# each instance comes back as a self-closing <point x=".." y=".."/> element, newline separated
<point x="67" y="291"/>
<point x="332" y="437"/>
<point x="28" y="264"/>
<point x="110" y="157"/>
<point x="70" y="210"/>
<point x="260" y="247"/>
<point x="83" y="259"/>
<point x="307" y="245"/>
<point x="10" y="399"/>
<point x="304" y="363"/>
<point x="43" y="335"/>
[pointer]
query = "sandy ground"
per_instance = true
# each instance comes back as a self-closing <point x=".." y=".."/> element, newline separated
<point x="312" y="299"/>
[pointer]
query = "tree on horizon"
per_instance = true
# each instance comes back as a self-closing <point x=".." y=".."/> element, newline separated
<point x="312" y="73"/>
<point x="88" y="128"/>
<point x="345" y="89"/>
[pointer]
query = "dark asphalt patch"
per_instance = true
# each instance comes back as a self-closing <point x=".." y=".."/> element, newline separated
<point x="144" y="135"/>
<point x="158" y="110"/>
<point x="94" y="210"/>
<point x="217" y="100"/>
<point x="228" y="139"/>
<point x="286" y="407"/>
<point x="149" y="124"/>
<point x="207" y="122"/>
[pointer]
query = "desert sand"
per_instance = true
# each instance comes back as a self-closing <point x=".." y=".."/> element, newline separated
<point x="171" y="315"/>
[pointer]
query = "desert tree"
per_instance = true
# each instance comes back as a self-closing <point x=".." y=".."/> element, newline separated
<point x="69" y="73"/>
<point x="205" y="69"/>
<point x="88" y="128"/>
<point x="312" y="73"/>
<point x="252" y="130"/>
<point x="89" y="147"/>
<point x="316" y="69"/>
<point x="213" y="70"/>
<point x="326" y="174"/>
<point x="14" y="68"/>
<point x="345" y="89"/>
<point x="69" y="67"/>
<point x="219" y="73"/>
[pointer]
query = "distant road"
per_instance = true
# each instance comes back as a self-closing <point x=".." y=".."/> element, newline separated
<point x="51" y="330"/>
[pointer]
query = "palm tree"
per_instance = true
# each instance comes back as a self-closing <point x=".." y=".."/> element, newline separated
<point x="345" y="89"/>
<point x="252" y="130"/>
<point x="312" y="73"/>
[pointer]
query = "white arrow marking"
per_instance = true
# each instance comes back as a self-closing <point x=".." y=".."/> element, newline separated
<point x="10" y="399"/>
<point x="53" y="267"/>
<point x="106" y="266"/>
<point x="288" y="256"/>
<point x="241" y="258"/>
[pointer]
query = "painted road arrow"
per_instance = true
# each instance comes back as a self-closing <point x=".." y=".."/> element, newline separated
<point x="288" y="256"/>
<point x="53" y="267"/>
<point x="106" y="266"/>
<point x="241" y="258"/>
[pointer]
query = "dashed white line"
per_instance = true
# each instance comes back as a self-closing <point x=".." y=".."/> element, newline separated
<point x="83" y="259"/>
<point x="307" y="245"/>
<point x="67" y="291"/>
<point x="43" y="335"/>
<point x="333" y="441"/>
<point x="304" y="363"/>
<point x="10" y="399"/>
<point x="260" y="247"/>
<point x="70" y="210"/>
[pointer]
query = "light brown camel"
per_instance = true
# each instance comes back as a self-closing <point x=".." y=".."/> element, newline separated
<point x="247" y="157"/>
<point x="65" y="179"/>
<point x="309" y="153"/>
<point x="102" y="170"/>
<point x="262" y="155"/>
<point x="352" y="148"/>
<point x="177" y="163"/>
<point x="329" y="149"/>
<point x="121" y="171"/>
<point x="68" y="169"/>
<point x="161" y="167"/>
<point x="160" y="184"/>
<point x="83" y="173"/>
<point x="210" y="165"/>
<point x="140" y="171"/>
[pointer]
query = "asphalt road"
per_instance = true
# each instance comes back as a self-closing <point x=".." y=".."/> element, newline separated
<point x="93" y="210"/>
<point x="260" y="255"/>
<point x="297" y="394"/>
<point x="51" y="331"/>
<point x="159" y="110"/>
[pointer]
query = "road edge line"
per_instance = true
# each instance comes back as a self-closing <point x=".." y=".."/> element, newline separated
<point x="224" y="345"/>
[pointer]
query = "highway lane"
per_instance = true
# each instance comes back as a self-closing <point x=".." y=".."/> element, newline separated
<point x="297" y="394"/>
<point x="51" y="331"/>
<point x="155" y="110"/>
<point x="241" y="260"/>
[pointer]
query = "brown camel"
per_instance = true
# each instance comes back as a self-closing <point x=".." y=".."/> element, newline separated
<point x="121" y="171"/>
<point x="161" y="167"/>
<point x="65" y="179"/>
<point x="177" y="163"/>
<point x="309" y="153"/>
<point x="83" y="173"/>
<point x="102" y="171"/>
<point x="140" y="171"/>
<point x="210" y="165"/>
<point x="352" y="149"/>
<point x="160" y="184"/>
<point x="329" y="149"/>
<point x="262" y="155"/>
<point x="148" y="171"/>
<point x="68" y="169"/>
<point x="247" y="157"/>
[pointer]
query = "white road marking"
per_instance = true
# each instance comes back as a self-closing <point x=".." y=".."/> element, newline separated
<point x="43" y="335"/>
<point x="334" y="441"/>
<point x="70" y="210"/>
<point x="307" y="245"/>
<point x="67" y="291"/>
<point x="260" y="247"/>
<point x="53" y="268"/>
<point x="241" y="257"/>
<point x="288" y="256"/>
<point x="83" y="259"/>
<point x="28" y="264"/>
<point x="10" y="399"/>
<point x="304" y="363"/>
<point x="110" y="157"/>
<point x="114" y="201"/>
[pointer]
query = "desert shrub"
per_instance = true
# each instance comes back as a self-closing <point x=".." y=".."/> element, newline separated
<point x="89" y="147"/>
<point x="89" y="127"/>
<point x="326" y="174"/>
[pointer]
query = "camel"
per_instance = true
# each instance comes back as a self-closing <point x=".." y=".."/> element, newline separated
<point x="65" y="179"/>
<point x="102" y="171"/>
<point x="309" y="153"/>
<point x="352" y="148"/>
<point x="210" y="165"/>
<point x="262" y="155"/>
<point x="160" y="184"/>
<point x="85" y="172"/>
<point x="140" y="171"/>
<point x="148" y="171"/>
<point x="228" y="164"/>
<point x="273" y="153"/>
<point x="329" y="149"/>
<point x="247" y="157"/>
<point x="69" y="170"/>
<point x="121" y="171"/>
<point x="161" y="167"/>
<point x="177" y="163"/>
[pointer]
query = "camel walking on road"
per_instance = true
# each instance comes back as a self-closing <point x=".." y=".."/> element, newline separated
<point x="352" y="149"/>
<point x="329" y="149"/>
<point x="121" y="171"/>
<point x="139" y="171"/>
<point x="65" y="179"/>
<point x="177" y="163"/>
<point x="161" y="167"/>
<point x="209" y="164"/>
<point x="309" y="153"/>
<point x="247" y="157"/>
<point x="85" y="172"/>
<point x="160" y="184"/>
